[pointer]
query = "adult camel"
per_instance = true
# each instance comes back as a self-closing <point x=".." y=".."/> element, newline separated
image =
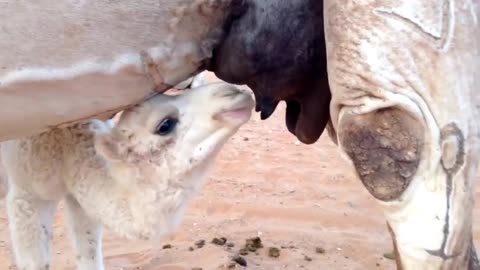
<point x="393" y="81"/>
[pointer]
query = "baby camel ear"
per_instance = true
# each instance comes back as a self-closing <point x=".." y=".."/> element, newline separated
<point x="106" y="141"/>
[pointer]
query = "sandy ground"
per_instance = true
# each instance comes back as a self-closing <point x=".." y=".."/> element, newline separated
<point x="264" y="184"/>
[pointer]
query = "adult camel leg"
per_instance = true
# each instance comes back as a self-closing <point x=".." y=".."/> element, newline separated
<point x="405" y="77"/>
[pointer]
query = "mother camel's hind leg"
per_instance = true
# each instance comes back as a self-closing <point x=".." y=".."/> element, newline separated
<point x="405" y="81"/>
<point x="86" y="235"/>
<point x="30" y="221"/>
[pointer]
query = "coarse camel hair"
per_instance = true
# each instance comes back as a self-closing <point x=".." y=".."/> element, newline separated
<point x="135" y="176"/>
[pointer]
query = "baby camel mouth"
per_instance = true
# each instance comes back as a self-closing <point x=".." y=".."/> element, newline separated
<point x="238" y="113"/>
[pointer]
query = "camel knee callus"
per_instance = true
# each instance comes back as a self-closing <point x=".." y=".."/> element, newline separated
<point x="385" y="147"/>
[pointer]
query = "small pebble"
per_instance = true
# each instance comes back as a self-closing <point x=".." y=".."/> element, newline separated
<point x="274" y="252"/>
<point x="191" y="249"/>
<point x="243" y="251"/>
<point x="200" y="243"/>
<point x="252" y="244"/>
<point x="230" y="244"/>
<point x="167" y="246"/>
<point x="219" y="241"/>
<point x="197" y="268"/>
<point x="320" y="250"/>
<point x="390" y="256"/>
<point x="240" y="260"/>
<point x="231" y="265"/>
<point x="308" y="259"/>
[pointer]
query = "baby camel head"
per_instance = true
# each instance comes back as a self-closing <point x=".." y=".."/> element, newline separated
<point x="174" y="132"/>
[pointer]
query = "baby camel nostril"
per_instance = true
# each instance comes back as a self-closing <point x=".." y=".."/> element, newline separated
<point x="230" y="94"/>
<point x="227" y="93"/>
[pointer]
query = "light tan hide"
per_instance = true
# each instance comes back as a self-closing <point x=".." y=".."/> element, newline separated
<point x="66" y="60"/>
<point x="405" y="81"/>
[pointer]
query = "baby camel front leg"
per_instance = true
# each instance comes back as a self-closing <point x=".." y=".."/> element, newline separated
<point x="86" y="235"/>
<point x="30" y="221"/>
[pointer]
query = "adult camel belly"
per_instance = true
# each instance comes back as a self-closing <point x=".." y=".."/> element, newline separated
<point x="63" y="61"/>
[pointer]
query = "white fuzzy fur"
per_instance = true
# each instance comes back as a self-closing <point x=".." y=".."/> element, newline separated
<point x="119" y="175"/>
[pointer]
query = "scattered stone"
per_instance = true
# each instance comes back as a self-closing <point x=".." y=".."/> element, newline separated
<point x="200" y="243"/>
<point x="167" y="246"/>
<point x="191" y="249"/>
<point x="243" y="251"/>
<point x="245" y="139"/>
<point x="219" y="241"/>
<point x="252" y="244"/>
<point x="319" y="250"/>
<point x="274" y="252"/>
<point x="230" y="244"/>
<point x="308" y="259"/>
<point x="240" y="260"/>
<point x="389" y="255"/>
<point x="231" y="265"/>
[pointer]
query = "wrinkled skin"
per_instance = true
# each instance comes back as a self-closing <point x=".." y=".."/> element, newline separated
<point x="277" y="48"/>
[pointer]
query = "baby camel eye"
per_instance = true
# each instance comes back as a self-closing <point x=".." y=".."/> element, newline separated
<point x="166" y="126"/>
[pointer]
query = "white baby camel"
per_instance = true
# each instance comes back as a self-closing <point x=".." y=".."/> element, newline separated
<point x="135" y="176"/>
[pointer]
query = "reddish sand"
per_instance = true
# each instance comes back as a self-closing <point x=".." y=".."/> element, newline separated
<point x="265" y="184"/>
